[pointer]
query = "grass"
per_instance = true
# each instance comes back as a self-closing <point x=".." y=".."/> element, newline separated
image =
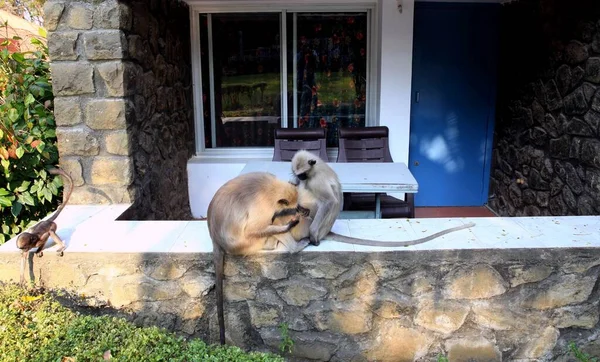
<point x="34" y="326"/>
<point x="580" y="355"/>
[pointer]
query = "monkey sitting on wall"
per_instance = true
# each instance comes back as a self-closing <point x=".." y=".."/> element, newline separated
<point x="312" y="174"/>
<point x="245" y="217"/>
<point x="38" y="235"/>
<point x="319" y="190"/>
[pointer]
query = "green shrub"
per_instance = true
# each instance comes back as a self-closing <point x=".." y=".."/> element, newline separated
<point x="580" y="355"/>
<point x="27" y="140"/>
<point x="35" y="327"/>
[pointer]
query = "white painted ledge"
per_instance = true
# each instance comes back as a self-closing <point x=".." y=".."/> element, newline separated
<point x="93" y="228"/>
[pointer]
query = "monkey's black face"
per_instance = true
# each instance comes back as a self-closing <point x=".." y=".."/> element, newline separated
<point x="303" y="176"/>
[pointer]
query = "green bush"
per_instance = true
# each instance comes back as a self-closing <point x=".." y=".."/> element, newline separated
<point x="579" y="354"/>
<point x="27" y="140"/>
<point x="35" y="327"/>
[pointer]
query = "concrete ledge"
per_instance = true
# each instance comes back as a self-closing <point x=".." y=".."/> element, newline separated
<point x="93" y="228"/>
<point x="516" y="289"/>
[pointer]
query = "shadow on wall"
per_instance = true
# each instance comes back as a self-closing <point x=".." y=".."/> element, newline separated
<point x="160" y="126"/>
<point x="547" y="134"/>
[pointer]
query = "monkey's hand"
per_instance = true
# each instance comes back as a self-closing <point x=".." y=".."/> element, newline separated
<point x="293" y="223"/>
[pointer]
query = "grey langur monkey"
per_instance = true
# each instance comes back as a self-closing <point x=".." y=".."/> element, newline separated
<point x="319" y="190"/>
<point x="312" y="174"/>
<point x="38" y="235"/>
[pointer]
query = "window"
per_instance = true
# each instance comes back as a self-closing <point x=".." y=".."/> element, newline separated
<point x="266" y="69"/>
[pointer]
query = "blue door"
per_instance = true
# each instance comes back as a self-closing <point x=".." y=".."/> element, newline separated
<point x="453" y="102"/>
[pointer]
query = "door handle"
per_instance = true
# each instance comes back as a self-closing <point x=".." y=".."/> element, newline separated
<point x="417" y="97"/>
<point x="416" y="163"/>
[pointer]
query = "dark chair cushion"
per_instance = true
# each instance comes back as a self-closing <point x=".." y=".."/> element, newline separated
<point x="288" y="141"/>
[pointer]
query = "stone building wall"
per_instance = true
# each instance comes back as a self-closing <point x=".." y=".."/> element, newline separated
<point x="483" y="305"/>
<point x="122" y="80"/>
<point x="547" y="138"/>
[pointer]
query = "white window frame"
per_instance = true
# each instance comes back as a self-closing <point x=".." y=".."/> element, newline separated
<point x="198" y="7"/>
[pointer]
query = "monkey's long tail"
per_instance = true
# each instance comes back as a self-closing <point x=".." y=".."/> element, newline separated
<point x="351" y="240"/>
<point x="66" y="197"/>
<point x="218" y="260"/>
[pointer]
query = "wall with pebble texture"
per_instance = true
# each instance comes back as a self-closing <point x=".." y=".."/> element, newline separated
<point x="122" y="80"/>
<point x="547" y="137"/>
<point x="483" y="305"/>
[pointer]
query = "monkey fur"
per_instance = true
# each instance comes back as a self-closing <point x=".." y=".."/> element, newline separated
<point x="314" y="175"/>
<point x="245" y="217"/>
<point x="38" y="235"/>
<point x="314" y="185"/>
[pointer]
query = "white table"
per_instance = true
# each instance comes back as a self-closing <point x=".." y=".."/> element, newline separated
<point x="367" y="177"/>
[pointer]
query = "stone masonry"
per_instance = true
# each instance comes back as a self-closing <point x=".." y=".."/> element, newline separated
<point x="469" y="305"/>
<point x="122" y="80"/>
<point x="547" y="141"/>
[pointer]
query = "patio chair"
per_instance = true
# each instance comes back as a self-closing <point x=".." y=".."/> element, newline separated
<point x="290" y="140"/>
<point x="370" y="144"/>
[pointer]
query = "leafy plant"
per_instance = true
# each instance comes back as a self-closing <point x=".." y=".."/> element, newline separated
<point x="286" y="341"/>
<point x="580" y="355"/>
<point x="442" y="358"/>
<point x="36" y="327"/>
<point x="27" y="139"/>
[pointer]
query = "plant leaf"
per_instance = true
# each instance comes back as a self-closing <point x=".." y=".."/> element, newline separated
<point x="27" y="199"/>
<point x="40" y="147"/>
<point x="24" y="186"/>
<point x="47" y="194"/>
<point x="29" y="99"/>
<point x="16" y="209"/>
<point x="42" y="32"/>
<point x="30" y="298"/>
<point x="20" y="152"/>
<point x="19" y="57"/>
<point x="6" y="201"/>
<point x="13" y="114"/>
<point x="52" y="187"/>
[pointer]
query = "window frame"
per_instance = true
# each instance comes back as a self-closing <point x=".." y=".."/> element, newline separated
<point x="282" y="7"/>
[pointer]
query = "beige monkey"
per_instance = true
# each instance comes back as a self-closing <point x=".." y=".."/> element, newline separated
<point x="241" y="221"/>
<point x="302" y="230"/>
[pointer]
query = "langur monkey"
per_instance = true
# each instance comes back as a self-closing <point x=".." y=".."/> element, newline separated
<point x="38" y="235"/>
<point x="245" y="217"/>
<point x="312" y="174"/>
<point x="318" y="187"/>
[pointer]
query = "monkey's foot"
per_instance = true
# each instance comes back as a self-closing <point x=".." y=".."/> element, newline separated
<point x="39" y="254"/>
<point x="314" y="242"/>
<point x="301" y="245"/>
<point x="60" y="253"/>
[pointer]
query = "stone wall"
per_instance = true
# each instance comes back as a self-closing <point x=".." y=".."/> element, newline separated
<point x="484" y="305"/>
<point x="547" y="138"/>
<point x="122" y="80"/>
